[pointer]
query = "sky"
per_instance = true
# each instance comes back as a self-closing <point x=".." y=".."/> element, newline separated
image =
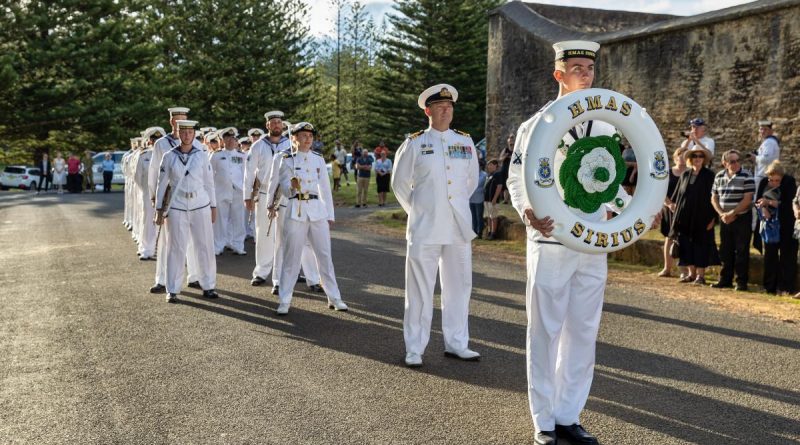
<point x="322" y="15"/>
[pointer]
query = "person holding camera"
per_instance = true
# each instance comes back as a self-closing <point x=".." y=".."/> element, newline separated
<point x="697" y="137"/>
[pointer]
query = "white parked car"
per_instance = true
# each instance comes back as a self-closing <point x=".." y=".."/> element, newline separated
<point x="97" y="161"/>
<point x="19" y="176"/>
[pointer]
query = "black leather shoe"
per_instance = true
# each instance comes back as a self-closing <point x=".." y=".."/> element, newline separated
<point x="195" y="285"/>
<point x="158" y="289"/>
<point x="275" y="289"/>
<point x="316" y="288"/>
<point x="576" y="434"/>
<point x="172" y="298"/>
<point x="545" y="438"/>
<point x="257" y="281"/>
<point x="741" y="288"/>
<point x="721" y="285"/>
<point x="211" y="293"/>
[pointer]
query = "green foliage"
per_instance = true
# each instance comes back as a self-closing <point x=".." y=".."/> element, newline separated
<point x="432" y="41"/>
<point x="574" y="194"/>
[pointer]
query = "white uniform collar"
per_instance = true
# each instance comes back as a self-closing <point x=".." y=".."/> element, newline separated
<point x="436" y="132"/>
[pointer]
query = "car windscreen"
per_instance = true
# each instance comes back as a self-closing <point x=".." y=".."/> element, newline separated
<point x="17" y="170"/>
<point x="33" y="171"/>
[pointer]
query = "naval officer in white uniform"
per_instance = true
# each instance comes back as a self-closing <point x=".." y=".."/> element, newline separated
<point x="303" y="180"/>
<point x="228" y="167"/>
<point x="189" y="213"/>
<point x="564" y="293"/>
<point x="435" y="172"/>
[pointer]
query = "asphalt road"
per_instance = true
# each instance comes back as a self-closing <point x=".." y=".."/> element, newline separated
<point x="87" y="356"/>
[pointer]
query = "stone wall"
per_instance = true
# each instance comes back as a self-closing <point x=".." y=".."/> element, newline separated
<point x="731" y="67"/>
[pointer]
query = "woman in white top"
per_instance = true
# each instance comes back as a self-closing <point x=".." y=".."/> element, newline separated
<point x="59" y="172"/>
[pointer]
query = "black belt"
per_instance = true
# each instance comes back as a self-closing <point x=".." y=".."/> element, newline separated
<point x="304" y="196"/>
<point x="549" y="242"/>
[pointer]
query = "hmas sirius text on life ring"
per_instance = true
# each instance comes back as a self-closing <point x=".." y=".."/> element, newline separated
<point x="600" y="164"/>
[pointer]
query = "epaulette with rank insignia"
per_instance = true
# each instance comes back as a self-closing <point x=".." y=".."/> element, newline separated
<point x="415" y="135"/>
<point x="461" y="133"/>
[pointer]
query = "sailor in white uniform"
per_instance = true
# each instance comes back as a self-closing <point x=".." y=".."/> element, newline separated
<point x="436" y="171"/>
<point x="161" y="147"/>
<point x="147" y="239"/>
<point x="189" y="211"/>
<point x="258" y="170"/>
<point x="303" y="179"/>
<point x="228" y="167"/>
<point x="564" y="294"/>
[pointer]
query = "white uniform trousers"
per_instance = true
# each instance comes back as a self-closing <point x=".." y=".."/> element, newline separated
<point x="454" y="262"/>
<point x="183" y="227"/>
<point x="138" y="226"/>
<point x="265" y="245"/>
<point x="564" y="300"/>
<point x="161" y="257"/>
<point x="309" y="264"/>
<point x="147" y="240"/>
<point x="295" y="235"/>
<point x="249" y="223"/>
<point x="307" y="260"/>
<point x="126" y="214"/>
<point x="229" y="227"/>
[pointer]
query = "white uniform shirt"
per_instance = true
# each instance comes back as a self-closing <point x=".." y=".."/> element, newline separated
<point x="517" y="188"/>
<point x="705" y="140"/>
<point x="312" y="172"/>
<point x="190" y="177"/>
<point x="140" y="175"/>
<point x="160" y="148"/>
<point x="259" y="161"/>
<point x="228" y="168"/>
<point x="767" y="152"/>
<point x="434" y="175"/>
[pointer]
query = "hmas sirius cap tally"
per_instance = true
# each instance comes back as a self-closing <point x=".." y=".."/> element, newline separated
<point x="273" y="114"/>
<point x="303" y="126"/>
<point x="178" y="110"/>
<point x="184" y="124"/>
<point x="230" y="131"/>
<point x="576" y="48"/>
<point x="437" y="93"/>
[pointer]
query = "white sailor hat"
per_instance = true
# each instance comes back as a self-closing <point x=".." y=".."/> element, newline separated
<point x="253" y="131"/>
<point x="229" y="131"/>
<point x="437" y="93"/>
<point x="208" y="129"/>
<point x="765" y="123"/>
<point x="244" y="141"/>
<point x="303" y="126"/>
<point x="184" y="124"/>
<point x="576" y="48"/>
<point x="212" y="136"/>
<point x="273" y="114"/>
<point x="154" y="132"/>
<point x="178" y="110"/>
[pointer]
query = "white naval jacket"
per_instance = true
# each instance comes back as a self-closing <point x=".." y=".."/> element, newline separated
<point x="516" y="187"/>
<point x="140" y="175"/>
<point x="228" y="168"/>
<point x="259" y="161"/>
<point x="434" y="175"/>
<point x="160" y="148"/>
<point x="312" y="172"/>
<point x="195" y="190"/>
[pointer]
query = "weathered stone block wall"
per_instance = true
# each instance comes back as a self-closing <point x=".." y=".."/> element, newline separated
<point x="732" y="67"/>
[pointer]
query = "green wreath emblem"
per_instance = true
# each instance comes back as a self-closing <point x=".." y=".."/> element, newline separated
<point x="575" y="195"/>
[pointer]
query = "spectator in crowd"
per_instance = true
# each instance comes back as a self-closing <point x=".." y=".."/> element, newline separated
<point x="694" y="217"/>
<point x="45" y="174"/>
<point x="74" y="182"/>
<point x="476" y="202"/>
<point x="88" y="171"/>
<point x="696" y="137"/>
<point x="364" y="169"/>
<point x="355" y="153"/>
<point x="383" y="174"/>
<point x="336" y="171"/>
<point x="492" y="192"/>
<point x="108" y="172"/>
<point x="379" y="149"/>
<point x="678" y="167"/>
<point x="629" y="182"/>
<point x="505" y="164"/>
<point x="796" y="209"/>
<point x="768" y="151"/>
<point x="732" y="198"/>
<point x="341" y="158"/>
<point x="318" y="146"/>
<point x="59" y="172"/>
<point x="774" y="197"/>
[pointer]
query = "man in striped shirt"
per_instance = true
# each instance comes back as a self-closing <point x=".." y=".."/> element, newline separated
<point x="732" y="197"/>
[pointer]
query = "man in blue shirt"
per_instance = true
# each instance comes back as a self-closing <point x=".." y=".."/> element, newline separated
<point x="364" y="168"/>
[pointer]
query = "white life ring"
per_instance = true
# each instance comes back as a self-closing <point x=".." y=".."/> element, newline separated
<point x="544" y="137"/>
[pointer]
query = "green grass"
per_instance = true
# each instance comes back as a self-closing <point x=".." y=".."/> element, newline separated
<point x="346" y="196"/>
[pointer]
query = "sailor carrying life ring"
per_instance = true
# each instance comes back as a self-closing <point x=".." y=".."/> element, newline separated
<point x="590" y="175"/>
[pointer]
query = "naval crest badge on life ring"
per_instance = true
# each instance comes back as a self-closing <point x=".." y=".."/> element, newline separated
<point x="590" y="175"/>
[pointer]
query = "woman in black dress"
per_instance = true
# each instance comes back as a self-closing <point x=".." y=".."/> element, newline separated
<point x="776" y="192"/>
<point x="678" y="167"/>
<point x="695" y="217"/>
